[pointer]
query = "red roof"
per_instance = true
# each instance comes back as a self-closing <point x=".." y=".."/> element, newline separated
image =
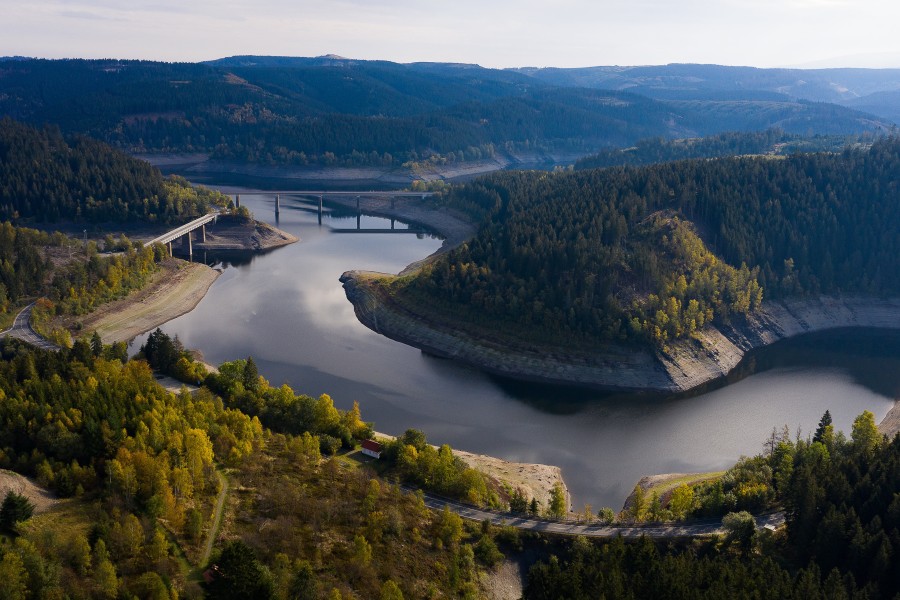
<point x="371" y="445"/>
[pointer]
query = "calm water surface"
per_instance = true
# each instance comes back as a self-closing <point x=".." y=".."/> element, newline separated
<point x="288" y="310"/>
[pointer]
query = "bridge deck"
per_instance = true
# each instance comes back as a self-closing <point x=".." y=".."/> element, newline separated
<point x="183" y="229"/>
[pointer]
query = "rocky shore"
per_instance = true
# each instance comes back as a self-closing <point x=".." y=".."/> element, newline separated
<point x="716" y="351"/>
<point x="686" y="365"/>
<point x="533" y="479"/>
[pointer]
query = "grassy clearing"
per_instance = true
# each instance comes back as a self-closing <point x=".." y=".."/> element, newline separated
<point x="667" y="485"/>
<point x="65" y="519"/>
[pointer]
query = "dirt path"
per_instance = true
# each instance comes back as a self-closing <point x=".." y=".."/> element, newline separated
<point x="42" y="499"/>
<point x="175" y="290"/>
<point x="216" y="520"/>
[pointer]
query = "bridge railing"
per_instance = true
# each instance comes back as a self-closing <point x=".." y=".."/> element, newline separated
<point x="183" y="229"/>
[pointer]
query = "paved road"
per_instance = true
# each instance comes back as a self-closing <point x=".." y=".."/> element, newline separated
<point x="21" y="329"/>
<point x="656" y="530"/>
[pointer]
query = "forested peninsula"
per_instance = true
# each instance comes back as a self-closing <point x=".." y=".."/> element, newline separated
<point x="659" y="277"/>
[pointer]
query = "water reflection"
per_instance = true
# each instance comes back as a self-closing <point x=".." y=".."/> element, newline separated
<point x="288" y="310"/>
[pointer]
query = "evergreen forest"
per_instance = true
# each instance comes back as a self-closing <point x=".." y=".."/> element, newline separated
<point x="656" y="252"/>
<point x="45" y="178"/>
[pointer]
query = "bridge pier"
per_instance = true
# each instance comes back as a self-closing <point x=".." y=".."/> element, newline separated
<point x="277" y="205"/>
<point x="320" y="209"/>
<point x="169" y="246"/>
<point x="186" y="244"/>
<point x="203" y="233"/>
<point x="237" y="200"/>
<point x="392" y="223"/>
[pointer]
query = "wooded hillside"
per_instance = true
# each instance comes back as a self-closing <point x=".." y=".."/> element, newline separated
<point x="656" y="252"/>
<point x="46" y="179"/>
<point x="349" y="112"/>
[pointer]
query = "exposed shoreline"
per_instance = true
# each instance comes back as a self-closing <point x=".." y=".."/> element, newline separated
<point x="175" y="290"/>
<point x="236" y="236"/>
<point x="199" y="166"/>
<point x="685" y="365"/>
<point x="178" y="287"/>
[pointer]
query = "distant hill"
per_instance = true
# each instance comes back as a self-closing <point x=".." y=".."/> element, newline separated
<point x="884" y="104"/>
<point x="848" y="87"/>
<point x="335" y="111"/>
<point x="819" y="85"/>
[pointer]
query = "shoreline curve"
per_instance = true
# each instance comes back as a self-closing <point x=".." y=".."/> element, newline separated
<point x="686" y="365"/>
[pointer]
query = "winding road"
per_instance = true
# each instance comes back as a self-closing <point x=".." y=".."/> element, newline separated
<point x="653" y="530"/>
<point x="21" y="329"/>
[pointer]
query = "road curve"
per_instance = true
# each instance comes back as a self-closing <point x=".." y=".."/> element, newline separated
<point x="21" y="329"/>
<point x="654" y="530"/>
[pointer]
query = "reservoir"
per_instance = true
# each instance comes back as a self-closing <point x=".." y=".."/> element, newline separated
<point x="287" y="309"/>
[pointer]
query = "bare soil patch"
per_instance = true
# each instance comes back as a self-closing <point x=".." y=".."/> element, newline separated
<point x="42" y="499"/>
<point x="504" y="582"/>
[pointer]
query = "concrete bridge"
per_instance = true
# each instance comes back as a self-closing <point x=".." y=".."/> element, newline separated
<point x="184" y="232"/>
<point x="322" y="194"/>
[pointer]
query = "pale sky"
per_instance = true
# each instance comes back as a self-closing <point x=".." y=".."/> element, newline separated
<point x="502" y="33"/>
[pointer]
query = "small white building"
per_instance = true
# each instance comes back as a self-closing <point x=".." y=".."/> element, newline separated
<point x="372" y="448"/>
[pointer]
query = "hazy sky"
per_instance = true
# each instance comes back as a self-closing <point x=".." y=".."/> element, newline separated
<point x="500" y="33"/>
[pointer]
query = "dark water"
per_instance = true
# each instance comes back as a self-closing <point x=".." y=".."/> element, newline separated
<point x="287" y="309"/>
